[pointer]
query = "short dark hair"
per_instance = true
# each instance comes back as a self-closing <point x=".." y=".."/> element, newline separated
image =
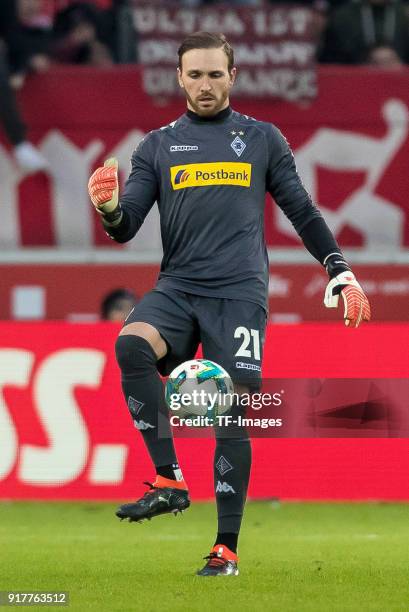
<point x="113" y="300"/>
<point x="207" y="40"/>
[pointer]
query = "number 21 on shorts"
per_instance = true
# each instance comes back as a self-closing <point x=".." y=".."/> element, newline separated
<point x="250" y="346"/>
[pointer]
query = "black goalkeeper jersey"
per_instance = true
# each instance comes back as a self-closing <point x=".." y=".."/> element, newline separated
<point x="209" y="178"/>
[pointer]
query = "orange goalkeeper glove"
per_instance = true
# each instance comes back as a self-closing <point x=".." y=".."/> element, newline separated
<point x="103" y="190"/>
<point x="356" y="304"/>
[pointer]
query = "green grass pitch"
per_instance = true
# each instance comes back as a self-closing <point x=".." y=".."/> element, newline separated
<point x="293" y="557"/>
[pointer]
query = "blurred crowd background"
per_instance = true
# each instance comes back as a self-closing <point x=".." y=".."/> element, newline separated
<point x="36" y="34"/>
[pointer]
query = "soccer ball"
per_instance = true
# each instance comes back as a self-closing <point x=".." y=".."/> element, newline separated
<point x="199" y="388"/>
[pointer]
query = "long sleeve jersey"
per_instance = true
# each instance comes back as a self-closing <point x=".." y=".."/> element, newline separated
<point x="209" y="179"/>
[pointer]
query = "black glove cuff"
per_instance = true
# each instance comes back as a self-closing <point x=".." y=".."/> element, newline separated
<point x="113" y="217"/>
<point x="335" y="264"/>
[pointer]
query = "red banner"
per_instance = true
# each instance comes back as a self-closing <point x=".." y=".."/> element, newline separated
<point x="75" y="292"/>
<point x="65" y="432"/>
<point x="351" y="151"/>
<point x="274" y="46"/>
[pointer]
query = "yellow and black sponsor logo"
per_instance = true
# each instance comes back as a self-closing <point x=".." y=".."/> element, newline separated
<point x="214" y="173"/>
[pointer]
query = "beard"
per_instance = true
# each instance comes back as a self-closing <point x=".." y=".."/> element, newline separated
<point x="215" y="108"/>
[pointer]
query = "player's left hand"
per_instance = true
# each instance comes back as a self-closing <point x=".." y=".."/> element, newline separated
<point x="356" y="304"/>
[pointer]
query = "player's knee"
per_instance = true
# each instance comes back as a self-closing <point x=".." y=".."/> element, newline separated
<point x="134" y="355"/>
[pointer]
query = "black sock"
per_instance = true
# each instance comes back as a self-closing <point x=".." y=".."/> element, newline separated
<point x="232" y="460"/>
<point x="232" y="463"/>
<point x="145" y="398"/>
<point x="171" y="471"/>
<point x="228" y="539"/>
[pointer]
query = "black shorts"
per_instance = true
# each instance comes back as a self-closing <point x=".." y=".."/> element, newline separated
<point x="232" y="332"/>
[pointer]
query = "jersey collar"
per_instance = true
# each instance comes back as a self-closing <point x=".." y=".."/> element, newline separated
<point x="221" y="116"/>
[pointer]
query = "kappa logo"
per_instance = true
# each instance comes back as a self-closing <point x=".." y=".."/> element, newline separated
<point x="181" y="176"/>
<point x="134" y="405"/>
<point x="175" y="148"/>
<point x="223" y="466"/>
<point x="238" y="146"/>
<point x="224" y="487"/>
<point x="142" y="426"/>
<point x="247" y="366"/>
<point x="212" y="173"/>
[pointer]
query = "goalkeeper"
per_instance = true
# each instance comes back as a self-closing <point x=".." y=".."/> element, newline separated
<point x="209" y="172"/>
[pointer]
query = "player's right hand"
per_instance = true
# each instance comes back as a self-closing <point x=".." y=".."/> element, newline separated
<point x="103" y="187"/>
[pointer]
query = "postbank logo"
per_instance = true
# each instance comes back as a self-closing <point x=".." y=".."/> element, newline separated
<point x="181" y="176"/>
<point x="206" y="174"/>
